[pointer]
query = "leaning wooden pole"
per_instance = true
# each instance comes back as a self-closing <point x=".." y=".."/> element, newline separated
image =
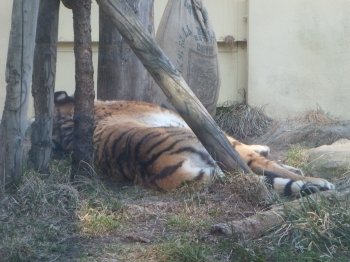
<point x="173" y="85"/>
<point x="117" y="63"/>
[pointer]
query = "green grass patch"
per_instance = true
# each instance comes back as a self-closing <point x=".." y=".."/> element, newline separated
<point x="296" y="157"/>
<point x="186" y="224"/>
<point x="95" y="223"/>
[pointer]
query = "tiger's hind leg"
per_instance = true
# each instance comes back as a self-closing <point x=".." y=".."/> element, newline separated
<point x="284" y="179"/>
<point x="289" y="187"/>
<point x="265" y="151"/>
<point x="292" y="169"/>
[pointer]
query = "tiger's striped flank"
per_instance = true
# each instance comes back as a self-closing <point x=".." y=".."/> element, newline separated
<point x="154" y="147"/>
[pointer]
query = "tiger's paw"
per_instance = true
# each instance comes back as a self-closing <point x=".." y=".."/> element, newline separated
<point x="307" y="187"/>
<point x="290" y="187"/>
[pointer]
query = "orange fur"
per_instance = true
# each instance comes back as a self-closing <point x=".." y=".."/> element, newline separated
<point x="154" y="147"/>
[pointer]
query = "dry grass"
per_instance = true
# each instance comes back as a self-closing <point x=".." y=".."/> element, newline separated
<point x="317" y="117"/>
<point x="242" y="121"/>
<point x="246" y="123"/>
<point x="320" y="231"/>
<point x="35" y="215"/>
<point x="49" y="218"/>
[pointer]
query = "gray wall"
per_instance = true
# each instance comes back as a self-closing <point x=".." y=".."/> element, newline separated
<point x="299" y="56"/>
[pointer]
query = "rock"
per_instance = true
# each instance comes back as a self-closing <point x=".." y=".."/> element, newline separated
<point x="330" y="161"/>
<point x="286" y="132"/>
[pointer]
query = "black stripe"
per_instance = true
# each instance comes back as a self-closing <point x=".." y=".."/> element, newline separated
<point x="142" y="174"/>
<point x="165" y="172"/>
<point x="270" y="177"/>
<point x="177" y="130"/>
<point x="124" y="156"/>
<point x="121" y="155"/>
<point x="250" y="162"/>
<point x="103" y="130"/>
<point x="157" y="144"/>
<point x="308" y="189"/>
<point x="144" y="140"/>
<point x="121" y="170"/>
<point x="128" y="144"/>
<point x="205" y="157"/>
<point x="128" y="169"/>
<point x="171" y="131"/>
<point x="199" y="176"/>
<point x="98" y="139"/>
<point x="178" y="133"/>
<point x="288" y="188"/>
<point x="115" y="142"/>
<point x="157" y="155"/>
<point x="105" y="155"/>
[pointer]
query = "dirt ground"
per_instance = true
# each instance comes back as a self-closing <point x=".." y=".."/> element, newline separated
<point x="152" y="217"/>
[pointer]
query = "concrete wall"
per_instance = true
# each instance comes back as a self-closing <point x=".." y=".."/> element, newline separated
<point x="227" y="17"/>
<point x="299" y="52"/>
<point x="299" y="56"/>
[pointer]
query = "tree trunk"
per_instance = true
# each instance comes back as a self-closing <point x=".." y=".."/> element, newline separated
<point x="173" y="85"/>
<point x="82" y="157"/>
<point x="121" y="75"/>
<point x="43" y="85"/>
<point x="18" y="78"/>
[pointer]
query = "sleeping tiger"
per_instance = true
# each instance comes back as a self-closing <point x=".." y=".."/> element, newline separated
<point x="154" y="147"/>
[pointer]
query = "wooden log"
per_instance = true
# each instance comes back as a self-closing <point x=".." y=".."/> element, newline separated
<point x="254" y="226"/>
<point x="84" y="95"/>
<point x="18" y="78"/>
<point x="173" y="85"/>
<point x="120" y="74"/>
<point x="43" y="85"/>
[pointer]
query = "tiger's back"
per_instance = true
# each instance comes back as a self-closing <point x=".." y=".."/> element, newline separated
<point x="139" y="142"/>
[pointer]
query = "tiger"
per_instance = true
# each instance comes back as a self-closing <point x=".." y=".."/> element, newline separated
<point x="154" y="147"/>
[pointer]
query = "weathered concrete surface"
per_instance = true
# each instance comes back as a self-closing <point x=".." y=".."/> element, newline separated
<point x="330" y="161"/>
